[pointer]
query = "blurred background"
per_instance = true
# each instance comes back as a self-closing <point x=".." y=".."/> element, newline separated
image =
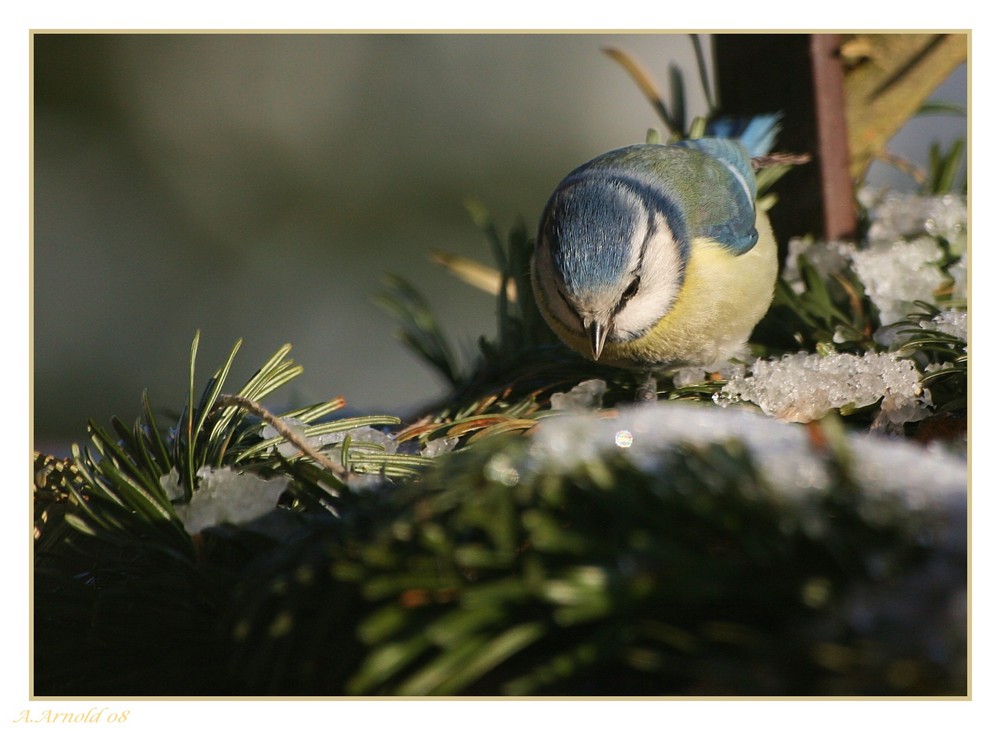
<point x="260" y="186"/>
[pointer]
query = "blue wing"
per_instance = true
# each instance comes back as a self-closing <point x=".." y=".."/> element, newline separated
<point x="728" y="215"/>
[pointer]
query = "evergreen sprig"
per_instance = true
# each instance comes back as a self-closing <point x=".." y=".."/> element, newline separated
<point x="693" y="577"/>
<point x="113" y="490"/>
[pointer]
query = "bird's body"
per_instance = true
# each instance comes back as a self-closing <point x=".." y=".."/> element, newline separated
<point x="656" y="255"/>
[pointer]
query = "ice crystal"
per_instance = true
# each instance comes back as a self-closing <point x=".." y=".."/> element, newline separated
<point x="585" y="396"/>
<point x="804" y="387"/>
<point x="898" y="273"/>
<point x="224" y="495"/>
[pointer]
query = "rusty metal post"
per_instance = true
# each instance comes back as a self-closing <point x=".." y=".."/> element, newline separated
<point x="833" y="155"/>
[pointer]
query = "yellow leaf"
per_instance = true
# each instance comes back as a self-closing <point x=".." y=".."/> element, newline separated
<point x="888" y="78"/>
<point x="474" y="273"/>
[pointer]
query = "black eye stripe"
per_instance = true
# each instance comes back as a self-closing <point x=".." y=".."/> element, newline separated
<point x="571" y="307"/>
<point x="628" y="294"/>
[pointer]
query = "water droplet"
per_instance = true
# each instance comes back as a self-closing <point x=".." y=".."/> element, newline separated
<point x="623" y="439"/>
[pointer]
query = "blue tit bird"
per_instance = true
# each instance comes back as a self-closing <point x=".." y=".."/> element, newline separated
<point x="654" y="256"/>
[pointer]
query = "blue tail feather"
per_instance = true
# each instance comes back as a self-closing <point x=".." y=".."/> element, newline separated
<point x="757" y="134"/>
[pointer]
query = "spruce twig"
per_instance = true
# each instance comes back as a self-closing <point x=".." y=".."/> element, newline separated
<point x="286" y="432"/>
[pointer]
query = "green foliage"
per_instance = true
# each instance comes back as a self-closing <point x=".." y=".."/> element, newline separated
<point x="120" y="483"/>
<point x="420" y="329"/>
<point x="943" y="175"/>
<point x="488" y="578"/>
<point x="126" y="600"/>
<point x="830" y="314"/>
<point x="606" y="580"/>
<point x="942" y="357"/>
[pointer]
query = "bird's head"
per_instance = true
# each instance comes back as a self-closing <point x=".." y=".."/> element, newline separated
<point x="610" y="257"/>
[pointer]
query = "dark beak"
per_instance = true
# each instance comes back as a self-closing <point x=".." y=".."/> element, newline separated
<point x="598" y="332"/>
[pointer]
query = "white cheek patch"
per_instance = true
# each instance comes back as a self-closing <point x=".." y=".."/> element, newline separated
<point x="661" y="275"/>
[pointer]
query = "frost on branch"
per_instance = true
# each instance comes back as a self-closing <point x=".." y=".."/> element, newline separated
<point x="803" y="387"/>
<point x="224" y="495"/>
